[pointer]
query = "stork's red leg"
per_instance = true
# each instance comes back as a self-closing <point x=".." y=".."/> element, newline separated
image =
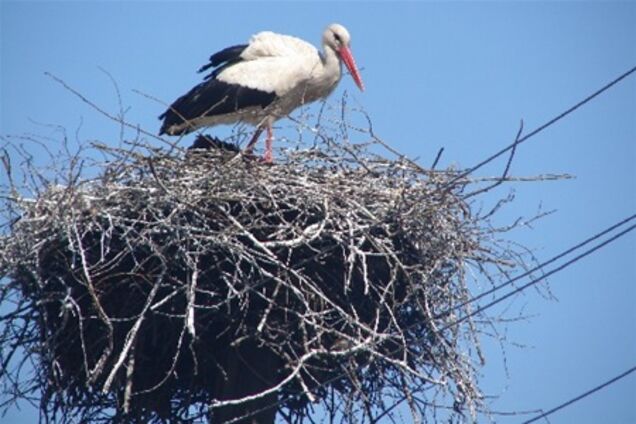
<point x="269" y="156"/>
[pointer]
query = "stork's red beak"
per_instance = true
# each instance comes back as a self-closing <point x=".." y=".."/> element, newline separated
<point x="350" y="63"/>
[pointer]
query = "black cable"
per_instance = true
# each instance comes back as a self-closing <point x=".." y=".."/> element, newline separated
<point x="589" y="392"/>
<point x="541" y="128"/>
<point x="536" y="280"/>
<point x="539" y="266"/>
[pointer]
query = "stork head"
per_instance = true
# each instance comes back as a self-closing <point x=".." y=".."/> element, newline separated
<point x="337" y="38"/>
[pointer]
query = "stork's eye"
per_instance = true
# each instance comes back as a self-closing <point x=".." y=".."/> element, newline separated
<point x="337" y="37"/>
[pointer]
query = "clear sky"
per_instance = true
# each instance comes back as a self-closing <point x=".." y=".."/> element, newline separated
<point x="456" y="75"/>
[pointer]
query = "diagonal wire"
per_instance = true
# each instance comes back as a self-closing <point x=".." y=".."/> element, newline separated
<point x="581" y="396"/>
<point x="541" y="128"/>
<point x="539" y="266"/>
<point x="541" y="278"/>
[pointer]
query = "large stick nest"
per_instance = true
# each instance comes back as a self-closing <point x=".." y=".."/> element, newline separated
<point x="337" y="275"/>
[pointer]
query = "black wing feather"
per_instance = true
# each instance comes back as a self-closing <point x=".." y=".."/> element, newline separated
<point x="214" y="97"/>
<point x="210" y="98"/>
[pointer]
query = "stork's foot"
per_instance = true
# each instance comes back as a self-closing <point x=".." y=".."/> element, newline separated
<point x="267" y="158"/>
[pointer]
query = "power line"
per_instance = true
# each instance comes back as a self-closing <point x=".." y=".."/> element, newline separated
<point x="539" y="266"/>
<point x="543" y="277"/>
<point x="589" y="392"/>
<point x="542" y="127"/>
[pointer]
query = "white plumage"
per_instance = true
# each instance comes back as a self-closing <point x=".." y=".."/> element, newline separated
<point x="261" y="82"/>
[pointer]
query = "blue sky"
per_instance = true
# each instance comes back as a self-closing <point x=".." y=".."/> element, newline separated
<point x="457" y="75"/>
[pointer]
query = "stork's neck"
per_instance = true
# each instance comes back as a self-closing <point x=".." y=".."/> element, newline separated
<point x="331" y="63"/>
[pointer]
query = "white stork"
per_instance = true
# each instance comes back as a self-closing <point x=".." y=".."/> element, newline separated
<point x="261" y="82"/>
